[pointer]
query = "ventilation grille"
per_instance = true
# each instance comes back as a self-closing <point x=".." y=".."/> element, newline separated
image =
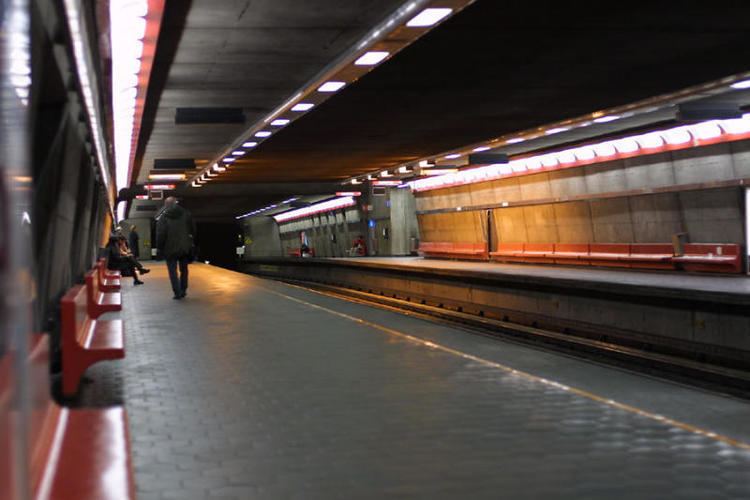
<point x="187" y="116"/>
<point x="174" y="164"/>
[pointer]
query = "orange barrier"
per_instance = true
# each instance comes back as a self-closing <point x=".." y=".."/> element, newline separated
<point x="99" y="302"/>
<point x="449" y="250"/>
<point x="711" y="257"/>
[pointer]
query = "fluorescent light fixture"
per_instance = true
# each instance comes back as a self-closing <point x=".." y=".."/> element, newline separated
<point x="141" y="197"/>
<point x="652" y="140"/>
<point x="515" y="140"/>
<point x="404" y="170"/>
<point x="429" y="17"/>
<point x="452" y="156"/>
<point x="263" y="133"/>
<point x="440" y="171"/>
<point x="585" y="153"/>
<point x="549" y="160"/>
<point x="238" y="153"/>
<point x="556" y="130"/>
<point x="626" y="145"/>
<point x="518" y="166"/>
<point x="158" y="187"/>
<point x="744" y="84"/>
<point x="229" y="160"/>
<point x="250" y="144"/>
<point x="426" y="163"/>
<point x="676" y="136"/>
<point x="331" y="86"/>
<point x="303" y="106"/>
<point x="386" y="183"/>
<point x="736" y="126"/>
<point x="167" y="177"/>
<point x="605" y="119"/>
<point x="481" y="148"/>
<point x="326" y="206"/>
<point x="371" y="58"/>
<point x="356" y="181"/>
<point x="280" y="122"/>
<point x="349" y="193"/>
<point x="385" y="173"/>
<point x="705" y="130"/>
<point x="605" y="149"/>
<point x="196" y="184"/>
<point x="216" y="168"/>
<point x="566" y="156"/>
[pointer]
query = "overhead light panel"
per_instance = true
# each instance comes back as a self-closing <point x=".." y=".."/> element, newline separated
<point x="744" y="84"/>
<point x="263" y="133"/>
<point x="216" y="168"/>
<point x="481" y="148"/>
<point x="331" y="86"/>
<point x="250" y="144"/>
<point x="452" y="156"/>
<point x="371" y="58"/>
<point x="605" y="119"/>
<point x="228" y="160"/>
<point x="158" y="187"/>
<point x="166" y="177"/>
<point x="303" y="106"/>
<point x="280" y="122"/>
<point x="429" y="17"/>
<point x="515" y="140"/>
<point x="238" y="153"/>
<point x="556" y="130"/>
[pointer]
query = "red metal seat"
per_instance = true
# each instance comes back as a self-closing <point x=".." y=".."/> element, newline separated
<point x="609" y="254"/>
<point x="651" y="255"/>
<point x="107" y="283"/>
<point x="109" y="273"/>
<point x="100" y="302"/>
<point x="571" y="253"/>
<point x="451" y="250"/>
<point x="85" y="340"/>
<point x="74" y="454"/>
<point x="711" y="257"/>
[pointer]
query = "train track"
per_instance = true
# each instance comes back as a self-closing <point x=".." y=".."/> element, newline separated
<point x="709" y="376"/>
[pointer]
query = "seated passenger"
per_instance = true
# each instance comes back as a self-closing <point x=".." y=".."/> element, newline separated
<point x="116" y="261"/>
<point x="304" y="251"/>
<point x="359" y="247"/>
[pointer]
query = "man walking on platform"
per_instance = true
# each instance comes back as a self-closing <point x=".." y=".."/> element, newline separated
<point x="174" y="240"/>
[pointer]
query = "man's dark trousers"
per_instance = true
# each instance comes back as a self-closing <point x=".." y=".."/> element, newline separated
<point x="179" y="283"/>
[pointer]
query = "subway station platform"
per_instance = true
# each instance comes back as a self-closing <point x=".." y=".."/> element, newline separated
<point x="251" y="388"/>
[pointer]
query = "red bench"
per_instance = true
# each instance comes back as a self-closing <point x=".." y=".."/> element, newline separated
<point x="450" y="250"/>
<point x="609" y="254"/>
<point x="571" y="253"/>
<point x="297" y="252"/>
<point x="711" y="257"/>
<point x="650" y="255"/>
<point x="81" y="454"/>
<point x="100" y="302"/>
<point x="85" y="340"/>
<point x="107" y="282"/>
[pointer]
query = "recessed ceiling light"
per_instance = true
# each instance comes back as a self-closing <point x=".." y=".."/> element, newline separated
<point x="429" y="17"/>
<point x="744" y="84"/>
<point x="556" y="130"/>
<point x="331" y="86"/>
<point x="280" y="122"/>
<point x="238" y="153"/>
<point x="371" y="58"/>
<point x="228" y="160"/>
<point x="481" y="148"/>
<point x="515" y="140"/>
<point x="263" y="133"/>
<point x="250" y="144"/>
<point x="385" y="173"/>
<point x="303" y="106"/>
<point x="605" y="119"/>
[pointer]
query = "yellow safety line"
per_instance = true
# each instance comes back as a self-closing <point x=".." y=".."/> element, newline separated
<point x="519" y="373"/>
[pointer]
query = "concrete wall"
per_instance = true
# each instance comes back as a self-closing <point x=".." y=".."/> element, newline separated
<point x="262" y="237"/>
<point x="679" y="168"/>
<point x="330" y="234"/>
<point x="403" y="221"/>
<point x="706" y="214"/>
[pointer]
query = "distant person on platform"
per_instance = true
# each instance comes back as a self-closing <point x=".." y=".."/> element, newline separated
<point x="133" y="240"/>
<point x="359" y="247"/>
<point x="174" y="240"/>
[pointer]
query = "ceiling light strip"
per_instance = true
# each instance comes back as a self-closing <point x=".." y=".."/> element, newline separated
<point x="676" y="138"/>
<point x="87" y="78"/>
<point x="326" y="80"/>
<point x="326" y="206"/>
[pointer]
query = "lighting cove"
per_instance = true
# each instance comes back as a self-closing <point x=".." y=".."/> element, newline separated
<point x="683" y="137"/>
<point x="326" y="206"/>
<point x="429" y="17"/>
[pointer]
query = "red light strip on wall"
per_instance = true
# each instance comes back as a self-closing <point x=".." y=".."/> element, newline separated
<point x="684" y="137"/>
<point x="326" y="206"/>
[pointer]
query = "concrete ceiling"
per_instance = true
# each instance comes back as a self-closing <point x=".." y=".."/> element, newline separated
<point x="495" y="68"/>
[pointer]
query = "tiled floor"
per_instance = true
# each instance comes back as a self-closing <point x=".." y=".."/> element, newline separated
<point x="254" y="389"/>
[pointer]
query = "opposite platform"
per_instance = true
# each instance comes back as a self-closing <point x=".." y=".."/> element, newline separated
<point x="250" y="388"/>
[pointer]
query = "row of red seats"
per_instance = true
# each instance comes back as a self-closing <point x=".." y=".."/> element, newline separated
<point x="81" y="454"/>
<point x="703" y="257"/>
<point x="474" y="251"/>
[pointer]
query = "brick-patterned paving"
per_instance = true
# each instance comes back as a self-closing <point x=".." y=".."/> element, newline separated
<point x="239" y="392"/>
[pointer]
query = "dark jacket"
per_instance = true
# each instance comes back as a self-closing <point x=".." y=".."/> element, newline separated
<point x="174" y="233"/>
<point x="133" y="243"/>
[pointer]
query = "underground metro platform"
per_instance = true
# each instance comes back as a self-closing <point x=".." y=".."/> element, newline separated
<point x="429" y="249"/>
